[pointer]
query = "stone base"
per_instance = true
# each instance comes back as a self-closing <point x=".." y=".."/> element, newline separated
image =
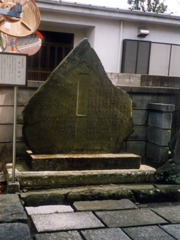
<point x="70" y="162"/>
<point x="59" y="179"/>
<point x="13" y="187"/>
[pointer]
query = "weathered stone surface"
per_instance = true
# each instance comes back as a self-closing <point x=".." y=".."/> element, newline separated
<point x="158" y="136"/>
<point x="43" y="198"/>
<point x="104" y="205"/>
<point x="173" y="229"/>
<point x="168" y="173"/>
<point x="65" y="221"/>
<point x="127" y="218"/>
<point x="14" y="231"/>
<point x="157" y="153"/>
<point x="161" y="81"/>
<point x="11" y="209"/>
<point x="160" y="119"/>
<point x="48" y="209"/>
<point x="43" y="179"/>
<point x="171" y="213"/>
<point x="13" y="187"/>
<point x="78" y="109"/>
<point x="137" y="147"/>
<point x="162" y="107"/>
<point x="140" y="117"/>
<point x="148" y="233"/>
<point x="71" y="195"/>
<point x="105" y="234"/>
<point x="70" y="235"/>
<point x="70" y="162"/>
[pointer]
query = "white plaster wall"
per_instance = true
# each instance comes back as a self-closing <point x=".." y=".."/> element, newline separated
<point x="103" y="34"/>
<point x="158" y="33"/>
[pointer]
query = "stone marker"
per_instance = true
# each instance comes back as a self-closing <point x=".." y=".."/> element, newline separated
<point x="78" y="109"/>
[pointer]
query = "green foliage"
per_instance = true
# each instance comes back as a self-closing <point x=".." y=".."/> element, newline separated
<point x="147" y="5"/>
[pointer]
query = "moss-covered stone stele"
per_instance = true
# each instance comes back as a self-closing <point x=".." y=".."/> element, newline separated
<point x="78" y="109"/>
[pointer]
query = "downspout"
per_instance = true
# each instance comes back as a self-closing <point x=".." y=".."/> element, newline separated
<point x="120" y="47"/>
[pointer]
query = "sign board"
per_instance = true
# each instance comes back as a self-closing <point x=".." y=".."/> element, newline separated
<point x="13" y="69"/>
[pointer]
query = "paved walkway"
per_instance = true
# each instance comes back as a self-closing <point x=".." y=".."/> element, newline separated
<point x="89" y="220"/>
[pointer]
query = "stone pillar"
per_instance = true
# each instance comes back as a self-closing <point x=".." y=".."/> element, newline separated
<point x="159" y="131"/>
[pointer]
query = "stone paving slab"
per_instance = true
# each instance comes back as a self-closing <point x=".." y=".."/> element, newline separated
<point x="48" y="209"/>
<point x="105" y="234"/>
<point x="171" y="213"/>
<point x="14" y="231"/>
<point x="9" y="199"/>
<point x="148" y="233"/>
<point x="104" y="205"/>
<point x="127" y="218"/>
<point x="173" y="229"/>
<point x="11" y="209"/>
<point x="65" y="221"/>
<point x="70" y="235"/>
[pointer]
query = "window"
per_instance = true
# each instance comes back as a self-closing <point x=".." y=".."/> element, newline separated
<point x="55" y="47"/>
<point x="135" y="56"/>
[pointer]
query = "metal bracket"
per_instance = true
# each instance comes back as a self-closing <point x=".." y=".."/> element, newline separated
<point x="15" y="11"/>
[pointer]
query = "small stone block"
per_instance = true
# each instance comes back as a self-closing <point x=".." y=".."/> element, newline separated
<point x="161" y="107"/>
<point x="105" y="234"/>
<point x="13" y="187"/>
<point x="15" y="231"/>
<point x="148" y="233"/>
<point x="104" y="205"/>
<point x="172" y="214"/>
<point x="173" y="229"/>
<point x="48" y="209"/>
<point x="70" y="235"/>
<point x="127" y="218"/>
<point x="65" y="221"/>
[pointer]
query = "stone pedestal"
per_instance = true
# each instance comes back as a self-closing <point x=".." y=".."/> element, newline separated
<point x="70" y="162"/>
<point x="159" y="131"/>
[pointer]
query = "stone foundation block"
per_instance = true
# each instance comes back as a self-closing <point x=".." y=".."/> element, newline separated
<point x="157" y="153"/>
<point x="158" y="136"/>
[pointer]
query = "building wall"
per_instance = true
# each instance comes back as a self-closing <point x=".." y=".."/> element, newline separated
<point x="157" y="33"/>
<point x="103" y="34"/>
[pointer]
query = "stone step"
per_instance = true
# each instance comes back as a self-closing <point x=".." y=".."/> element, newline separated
<point x="70" y="162"/>
<point x="29" y="179"/>
<point x="142" y="193"/>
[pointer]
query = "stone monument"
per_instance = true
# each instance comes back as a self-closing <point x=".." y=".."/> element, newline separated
<point x="78" y="110"/>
